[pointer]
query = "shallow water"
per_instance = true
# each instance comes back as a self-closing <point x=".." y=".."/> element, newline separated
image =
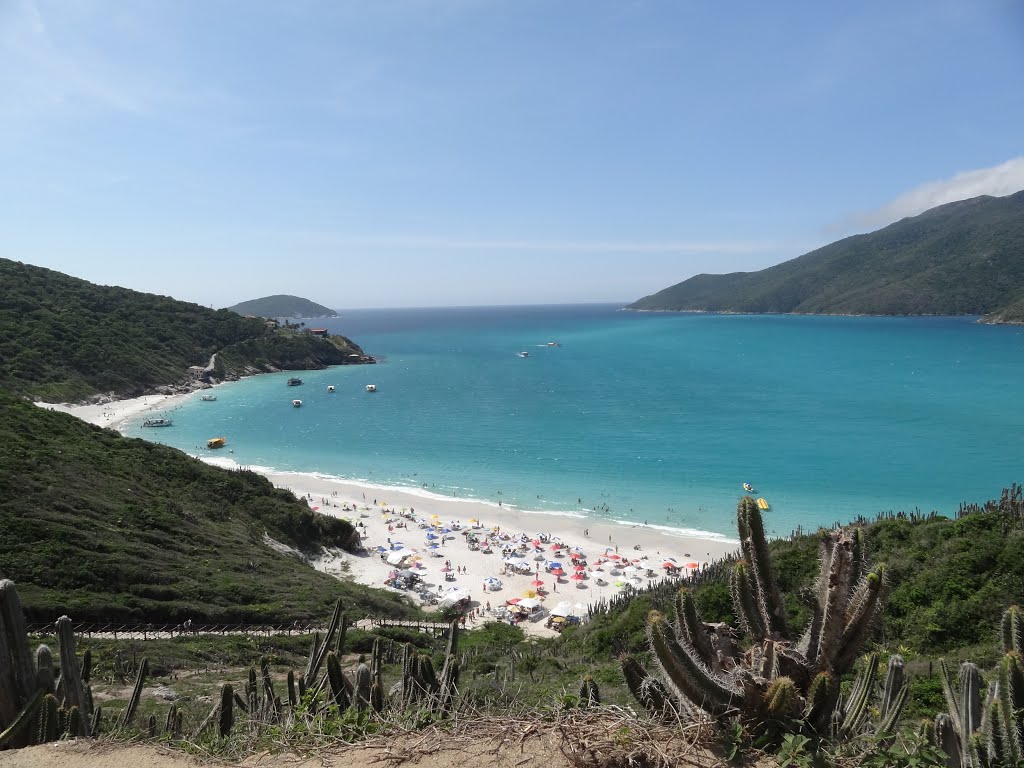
<point x="645" y="417"/>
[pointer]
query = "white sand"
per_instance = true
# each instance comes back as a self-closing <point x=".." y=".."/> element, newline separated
<point x="375" y="508"/>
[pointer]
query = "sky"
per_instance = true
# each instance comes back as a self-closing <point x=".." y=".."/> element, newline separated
<point x="471" y="152"/>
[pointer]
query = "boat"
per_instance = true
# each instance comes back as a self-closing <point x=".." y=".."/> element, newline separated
<point x="296" y="403"/>
<point x="158" y="423"/>
<point x="762" y="504"/>
<point x="294" y="382"/>
<point x="748" y="488"/>
<point x="524" y="354"/>
<point x="216" y="442"/>
<point x="553" y="344"/>
<point x="208" y="398"/>
<point x="371" y="387"/>
<point x="330" y="387"/>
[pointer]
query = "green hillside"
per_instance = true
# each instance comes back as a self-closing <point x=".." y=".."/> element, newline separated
<point x="964" y="258"/>
<point x="283" y="305"/>
<point x="105" y="527"/>
<point x="66" y="339"/>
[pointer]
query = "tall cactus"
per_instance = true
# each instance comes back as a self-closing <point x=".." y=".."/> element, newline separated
<point x="133" y="702"/>
<point x="779" y="678"/>
<point x="1012" y="630"/>
<point x="320" y="650"/>
<point x="590" y="695"/>
<point x="17" y="672"/>
<point x="71" y="675"/>
<point x="226" y="711"/>
<point x="364" y="681"/>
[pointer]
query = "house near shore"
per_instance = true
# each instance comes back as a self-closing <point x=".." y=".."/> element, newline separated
<point x="196" y="371"/>
<point x="322" y="332"/>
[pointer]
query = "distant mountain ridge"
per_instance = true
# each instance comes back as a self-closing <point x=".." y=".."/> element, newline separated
<point x="962" y="258"/>
<point x="283" y="305"/>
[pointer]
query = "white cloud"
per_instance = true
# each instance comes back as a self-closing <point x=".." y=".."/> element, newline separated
<point x="1003" y="179"/>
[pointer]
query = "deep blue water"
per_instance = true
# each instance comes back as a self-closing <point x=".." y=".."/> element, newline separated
<point x="647" y="417"/>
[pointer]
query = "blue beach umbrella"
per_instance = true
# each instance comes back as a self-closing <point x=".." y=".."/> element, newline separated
<point x="554" y="565"/>
<point x="431" y="536"/>
<point x="435" y="546"/>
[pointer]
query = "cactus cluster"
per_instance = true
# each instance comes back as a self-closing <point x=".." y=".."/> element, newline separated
<point x="37" y="706"/>
<point x="793" y="682"/>
<point x="983" y="734"/>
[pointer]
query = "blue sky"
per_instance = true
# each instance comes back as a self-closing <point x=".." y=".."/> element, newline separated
<point x="439" y="152"/>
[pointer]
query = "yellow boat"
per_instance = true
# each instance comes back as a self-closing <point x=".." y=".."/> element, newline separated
<point x="762" y="504"/>
<point x="216" y="442"/>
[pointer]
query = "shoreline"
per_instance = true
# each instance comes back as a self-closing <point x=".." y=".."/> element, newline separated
<point x="387" y="514"/>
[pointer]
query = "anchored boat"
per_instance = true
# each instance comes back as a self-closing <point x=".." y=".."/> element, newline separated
<point x="294" y="382"/>
<point x="158" y="423"/>
<point x="762" y="504"/>
<point x="296" y="403"/>
<point x="216" y="442"/>
<point x="371" y="387"/>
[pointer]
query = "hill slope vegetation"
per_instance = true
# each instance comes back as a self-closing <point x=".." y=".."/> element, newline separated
<point x="65" y="339"/>
<point x="282" y="305"/>
<point x="105" y="527"/>
<point x="964" y="258"/>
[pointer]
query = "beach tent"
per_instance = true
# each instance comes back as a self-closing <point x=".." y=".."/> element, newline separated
<point x="562" y="609"/>
<point x="455" y="596"/>
<point x="530" y="603"/>
<point x="398" y="556"/>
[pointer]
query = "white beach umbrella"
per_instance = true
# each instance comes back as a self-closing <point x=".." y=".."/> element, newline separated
<point x="529" y="603"/>
<point x="398" y="556"/>
<point x="562" y="609"/>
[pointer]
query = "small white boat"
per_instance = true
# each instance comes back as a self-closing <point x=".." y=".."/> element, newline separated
<point x="524" y="354"/>
<point x="371" y="387"/>
<point x="553" y="344"/>
<point x="158" y="423"/>
<point x="330" y="387"/>
<point x="208" y="398"/>
<point x="296" y="403"/>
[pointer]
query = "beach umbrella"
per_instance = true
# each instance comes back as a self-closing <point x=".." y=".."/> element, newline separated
<point x="556" y="546"/>
<point x="512" y="601"/>
<point x="620" y="583"/>
<point x="536" y="542"/>
<point x="382" y="549"/>
<point x="435" y="517"/>
<point x="435" y="545"/>
<point x="446" y="569"/>
<point x="537" y="583"/>
<point x="580" y="567"/>
<point x="529" y="603"/>
<point x="553" y="564"/>
<point x="668" y="565"/>
<point x="557" y="572"/>
<point x="615" y="556"/>
<point x="431" y="536"/>
<point x="473" y="520"/>
<point x="578" y="577"/>
<point x="693" y="565"/>
<point x="446" y="530"/>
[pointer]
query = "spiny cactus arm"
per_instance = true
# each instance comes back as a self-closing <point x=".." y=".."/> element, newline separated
<point x="133" y="702"/>
<point x="866" y="608"/>
<point x="226" y="711"/>
<point x="857" y="706"/>
<point x="746" y="604"/>
<point x="44" y="669"/>
<point x="293" y="699"/>
<point x="833" y="609"/>
<point x="686" y="674"/>
<point x="17" y="672"/>
<point x="945" y="738"/>
<point x="970" y="700"/>
<point x="976" y="755"/>
<point x="452" y="648"/>
<point x="781" y="700"/>
<point x="1011" y="691"/>
<point x="808" y="644"/>
<point x="336" y="680"/>
<point x="364" y="681"/>
<point x="761" y="567"/>
<point x="999" y="751"/>
<point x="316" y="658"/>
<point x="689" y="623"/>
<point x="858" y="556"/>
<point x="952" y="702"/>
<point x="892" y="716"/>
<point x="1012" y="630"/>
<point x="49" y="720"/>
<point x="768" y="662"/>
<point x="895" y="681"/>
<point x="342" y="632"/>
<point x="22" y="723"/>
<point x="822" y="697"/>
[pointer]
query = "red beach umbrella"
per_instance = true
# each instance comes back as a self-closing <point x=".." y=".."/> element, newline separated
<point x="513" y="601"/>
<point x="557" y="572"/>
<point x="446" y="569"/>
<point x="536" y="542"/>
<point x="669" y="565"/>
<point x="577" y="577"/>
<point x="615" y="556"/>
<point x="556" y="546"/>
<point x="537" y="583"/>
<point x="581" y="567"/>
<point x="693" y="565"/>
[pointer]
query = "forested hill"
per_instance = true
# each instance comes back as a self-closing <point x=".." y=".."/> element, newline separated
<point x="105" y="527"/>
<point x="65" y="339"/>
<point x="283" y="306"/>
<point x="963" y="258"/>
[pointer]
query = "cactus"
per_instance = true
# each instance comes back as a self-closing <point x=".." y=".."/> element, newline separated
<point x="48" y="720"/>
<point x="648" y="690"/>
<point x="133" y="702"/>
<point x="74" y="724"/>
<point x="336" y="680"/>
<point x="320" y="650"/>
<point x="17" y="672"/>
<point x="364" y="681"/>
<point x="71" y="674"/>
<point x="590" y="696"/>
<point x="964" y="717"/>
<point x="1013" y="630"/>
<point x="172" y="720"/>
<point x="97" y="722"/>
<point x="792" y="682"/>
<point x="342" y="631"/>
<point x="45" y="679"/>
<point x="151" y="727"/>
<point x="226" y="718"/>
<point x="293" y="700"/>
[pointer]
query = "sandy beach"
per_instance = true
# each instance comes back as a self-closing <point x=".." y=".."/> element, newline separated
<point x="475" y="540"/>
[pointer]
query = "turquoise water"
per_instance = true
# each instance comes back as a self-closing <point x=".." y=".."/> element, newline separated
<point x="646" y="417"/>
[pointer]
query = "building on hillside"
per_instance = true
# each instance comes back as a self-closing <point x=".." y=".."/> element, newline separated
<point x="272" y="324"/>
<point x="196" y="371"/>
<point x="318" y="331"/>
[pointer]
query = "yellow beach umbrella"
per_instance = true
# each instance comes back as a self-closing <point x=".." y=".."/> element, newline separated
<point x="530" y="593"/>
<point x="435" y="517"/>
<point x="473" y="520"/>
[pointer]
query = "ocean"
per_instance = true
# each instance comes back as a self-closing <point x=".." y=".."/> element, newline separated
<point x="644" y="417"/>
